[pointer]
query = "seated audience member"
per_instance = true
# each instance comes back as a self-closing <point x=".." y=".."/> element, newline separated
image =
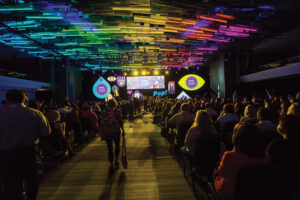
<point x="238" y="108"/>
<point x="264" y="121"/>
<point x="210" y="110"/>
<point x="286" y="151"/>
<point x="202" y="126"/>
<point x="88" y="113"/>
<point x="226" y="117"/>
<point x="249" y="114"/>
<point x="174" y="110"/>
<point x="183" y="117"/>
<point x="248" y="150"/>
<point x="294" y="109"/>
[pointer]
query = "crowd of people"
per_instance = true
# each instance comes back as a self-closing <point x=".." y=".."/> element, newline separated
<point x="47" y="132"/>
<point x="247" y="131"/>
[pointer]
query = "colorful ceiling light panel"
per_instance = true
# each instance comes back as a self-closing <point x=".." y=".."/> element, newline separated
<point x="119" y="34"/>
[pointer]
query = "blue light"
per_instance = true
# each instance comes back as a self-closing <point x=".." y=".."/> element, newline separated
<point x="266" y="7"/>
<point x="219" y="9"/>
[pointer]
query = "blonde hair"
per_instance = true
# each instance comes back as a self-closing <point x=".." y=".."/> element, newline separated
<point x="250" y="111"/>
<point x="203" y="122"/>
<point x="53" y="115"/>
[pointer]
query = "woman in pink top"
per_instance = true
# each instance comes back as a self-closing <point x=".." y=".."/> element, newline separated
<point x="248" y="150"/>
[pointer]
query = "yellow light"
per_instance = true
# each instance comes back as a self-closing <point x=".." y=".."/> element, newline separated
<point x="143" y="72"/>
<point x="148" y="73"/>
<point x="156" y="72"/>
<point x="135" y="73"/>
<point x="167" y="72"/>
<point x="125" y="73"/>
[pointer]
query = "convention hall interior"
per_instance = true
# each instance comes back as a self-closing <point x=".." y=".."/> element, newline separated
<point x="149" y="99"/>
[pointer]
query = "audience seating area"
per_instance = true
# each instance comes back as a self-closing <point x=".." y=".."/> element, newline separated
<point x="258" y="181"/>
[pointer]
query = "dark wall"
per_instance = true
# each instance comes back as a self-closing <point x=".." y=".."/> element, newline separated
<point x="217" y="77"/>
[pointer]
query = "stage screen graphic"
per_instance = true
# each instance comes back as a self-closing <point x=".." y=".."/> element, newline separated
<point x="145" y="82"/>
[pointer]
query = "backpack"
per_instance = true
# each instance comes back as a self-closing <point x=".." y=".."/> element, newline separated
<point x="110" y="126"/>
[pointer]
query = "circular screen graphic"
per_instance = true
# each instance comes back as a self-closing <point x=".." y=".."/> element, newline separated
<point x="101" y="89"/>
<point x="191" y="82"/>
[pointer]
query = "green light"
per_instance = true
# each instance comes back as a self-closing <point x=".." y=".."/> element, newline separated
<point x="16" y="8"/>
<point x="43" y="17"/>
<point x="66" y="44"/>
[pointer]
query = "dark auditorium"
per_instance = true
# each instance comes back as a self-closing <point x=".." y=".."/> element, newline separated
<point x="149" y="99"/>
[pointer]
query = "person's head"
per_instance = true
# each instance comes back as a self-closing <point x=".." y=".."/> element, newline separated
<point x="203" y="121"/>
<point x="264" y="114"/>
<point x="228" y="108"/>
<point x="97" y="108"/>
<point x="168" y="106"/>
<point x="208" y="105"/>
<point x="294" y="109"/>
<point x="88" y="108"/>
<point x="53" y="116"/>
<point x="238" y="107"/>
<point x="289" y="128"/>
<point x="112" y="104"/>
<point x="185" y="107"/>
<point x="247" y="139"/>
<point x="15" y="96"/>
<point x="250" y="111"/>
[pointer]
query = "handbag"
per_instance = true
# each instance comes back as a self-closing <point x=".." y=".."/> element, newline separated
<point x="124" y="154"/>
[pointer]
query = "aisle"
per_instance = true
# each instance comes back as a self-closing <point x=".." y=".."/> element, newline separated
<point x="152" y="173"/>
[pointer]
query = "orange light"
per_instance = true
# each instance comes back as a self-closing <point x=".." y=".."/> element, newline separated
<point x="225" y="16"/>
<point x="209" y="29"/>
<point x="213" y="19"/>
<point x="176" y="28"/>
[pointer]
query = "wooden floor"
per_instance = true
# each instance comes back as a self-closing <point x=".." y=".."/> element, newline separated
<point x="152" y="172"/>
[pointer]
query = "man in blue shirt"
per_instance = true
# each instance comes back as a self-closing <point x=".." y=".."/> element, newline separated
<point x="20" y="127"/>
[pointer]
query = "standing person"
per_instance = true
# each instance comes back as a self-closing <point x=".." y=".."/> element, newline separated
<point x="92" y="116"/>
<point x="111" y="127"/>
<point x="20" y="127"/>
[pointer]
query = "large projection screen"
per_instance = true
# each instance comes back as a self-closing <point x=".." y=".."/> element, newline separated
<point x="145" y="82"/>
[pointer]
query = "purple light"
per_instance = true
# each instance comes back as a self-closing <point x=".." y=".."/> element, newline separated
<point x="236" y="34"/>
<point x="218" y="40"/>
<point x="243" y="28"/>
<point x="212" y="48"/>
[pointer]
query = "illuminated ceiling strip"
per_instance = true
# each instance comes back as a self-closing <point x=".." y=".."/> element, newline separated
<point x="225" y="16"/>
<point x="213" y="19"/>
<point x="132" y="8"/>
<point x="44" y="17"/>
<point x="208" y="29"/>
<point x="16" y="8"/>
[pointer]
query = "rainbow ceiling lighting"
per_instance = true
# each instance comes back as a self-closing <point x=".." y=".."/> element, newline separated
<point x="118" y="34"/>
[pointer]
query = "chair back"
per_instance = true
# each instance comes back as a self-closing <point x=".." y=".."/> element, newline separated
<point x="269" y="136"/>
<point x="181" y="133"/>
<point x="263" y="182"/>
<point x="207" y="154"/>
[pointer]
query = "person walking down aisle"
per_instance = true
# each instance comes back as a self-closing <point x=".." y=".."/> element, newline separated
<point x="111" y="126"/>
<point x="20" y="127"/>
